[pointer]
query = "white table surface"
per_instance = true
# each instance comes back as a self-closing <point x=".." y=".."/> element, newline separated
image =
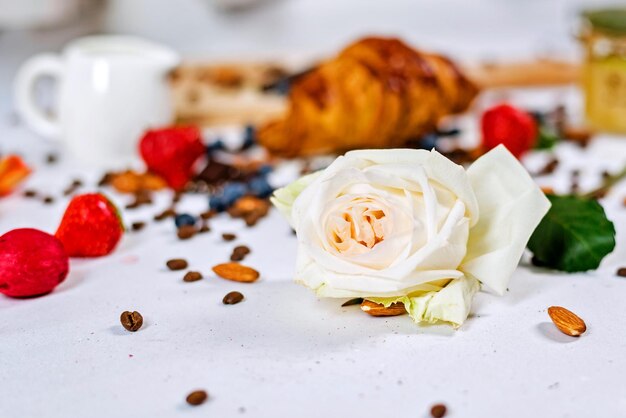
<point x="283" y="352"/>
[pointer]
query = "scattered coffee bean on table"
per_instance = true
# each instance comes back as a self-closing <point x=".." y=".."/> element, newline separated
<point x="204" y="228"/>
<point x="51" y="158"/>
<point x="192" y="276"/>
<point x="177" y="264"/>
<point x="30" y="193"/>
<point x="621" y="272"/>
<point x="239" y="253"/>
<point x="48" y="200"/>
<point x="229" y="237"/>
<point x="106" y="179"/>
<point x="167" y="213"/>
<point x="438" y="411"/>
<point x="137" y="226"/>
<point x="232" y="298"/>
<point x="132" y="321"/>
<point x="197" y="397"/>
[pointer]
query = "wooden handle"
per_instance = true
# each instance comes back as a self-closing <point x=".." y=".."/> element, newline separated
<point x="523" y="74"/>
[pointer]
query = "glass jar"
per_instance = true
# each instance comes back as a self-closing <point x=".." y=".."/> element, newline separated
<point x="604" y="74"/>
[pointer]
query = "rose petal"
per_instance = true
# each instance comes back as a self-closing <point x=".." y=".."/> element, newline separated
<point x="511" y="206"/>
<point x="452" y="303"/>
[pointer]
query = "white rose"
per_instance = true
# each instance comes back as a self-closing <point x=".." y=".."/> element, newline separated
<point x="410" y="225"/>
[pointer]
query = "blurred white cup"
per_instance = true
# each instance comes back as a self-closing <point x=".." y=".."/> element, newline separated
<point x="110" y="89"/>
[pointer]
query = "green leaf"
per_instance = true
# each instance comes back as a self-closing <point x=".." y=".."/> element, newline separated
<point x="575" y="235"/>
<point x="546" y="139"/>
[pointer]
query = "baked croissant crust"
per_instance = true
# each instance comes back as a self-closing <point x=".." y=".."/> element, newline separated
<point x="378" y="93"/>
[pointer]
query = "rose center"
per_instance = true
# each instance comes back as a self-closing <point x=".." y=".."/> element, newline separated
<point x="357" y="228"/>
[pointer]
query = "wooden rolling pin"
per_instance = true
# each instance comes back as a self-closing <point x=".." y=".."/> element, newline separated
<point x="541" y="72"/>
<point x="198" y="102"/>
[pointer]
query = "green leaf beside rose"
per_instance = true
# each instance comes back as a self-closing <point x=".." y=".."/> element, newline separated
<point x="575" y="235"/>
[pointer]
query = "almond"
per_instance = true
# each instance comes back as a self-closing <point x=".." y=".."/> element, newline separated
<point x="236" y="272"/>
<point x="376" y="309"/>
<point x="566" y="321"/>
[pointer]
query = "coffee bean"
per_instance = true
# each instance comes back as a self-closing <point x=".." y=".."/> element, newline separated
<point x="51" y="158"/>
<point x="229" y="237"/>
<point x="106" y="179"/>
<point x="239" y="253"/>
<point x="186" y="231"/>
<point x="621" y="272"/>
<point x="132" y="321"/>
<point x="237" y="257"/>
<point x="137" y="226"/>
<point x="438" y="411"/>
<point x="208" y="214"/>
<point x="48" y="200"/>
<point x="197" y="397"/>
<point x="30" y="193"/>
<point x="204" y="228"/>
<point x="232" y="298"/>
<point x="167" y="213"/>
<point x="177" y="264"/>
<point x="192" y="276"/>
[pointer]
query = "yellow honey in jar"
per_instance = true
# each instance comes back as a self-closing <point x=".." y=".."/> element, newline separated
<point x="604" y="36"/>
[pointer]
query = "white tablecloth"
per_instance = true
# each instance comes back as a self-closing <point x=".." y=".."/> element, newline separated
<point x="283" y="352"/>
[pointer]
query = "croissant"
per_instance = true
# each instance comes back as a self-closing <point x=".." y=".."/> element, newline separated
<point x="378" y="93"/>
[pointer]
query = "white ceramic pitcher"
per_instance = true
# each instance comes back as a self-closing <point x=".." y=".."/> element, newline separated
<point x="110" y="89"/>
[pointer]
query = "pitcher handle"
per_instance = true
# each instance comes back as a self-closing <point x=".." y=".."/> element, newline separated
<point x="31" y="71"/>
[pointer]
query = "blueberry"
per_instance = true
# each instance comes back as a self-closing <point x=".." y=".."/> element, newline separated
<point x="217" y="145"/>
<point x="249" y="137"/>
<point x="233" y="191"/>
<point x="429" y="141"/>
<point x="265" y="170"/>
<point x="260" y="187"/>
<point x="216" y="203"/>
<point x="449" y="132"/>
<point x="184" y="219"/>
<point x="283" y="87"/>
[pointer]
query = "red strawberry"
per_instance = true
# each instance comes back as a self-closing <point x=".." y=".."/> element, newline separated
<point x="505" y="124"/>
<point x="32" y="263"/>
<point x="91" y="226"/>
<point x="172" y="152"/>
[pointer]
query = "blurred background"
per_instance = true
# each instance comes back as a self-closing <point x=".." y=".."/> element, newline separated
<point x="479" y="29"/>
<point x="475" y="31"/>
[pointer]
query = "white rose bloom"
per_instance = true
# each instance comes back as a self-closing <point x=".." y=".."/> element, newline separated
<point x="410" y="225"/>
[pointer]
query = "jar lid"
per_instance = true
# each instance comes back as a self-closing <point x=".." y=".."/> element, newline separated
<point x="610" y="21"/>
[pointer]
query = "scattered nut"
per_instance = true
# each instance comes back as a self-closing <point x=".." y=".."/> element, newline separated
<point x="566" y="321"/>
<point x="376" y="309"/>
<point x="236" y="272"/>
<point x="621" y="272"/>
